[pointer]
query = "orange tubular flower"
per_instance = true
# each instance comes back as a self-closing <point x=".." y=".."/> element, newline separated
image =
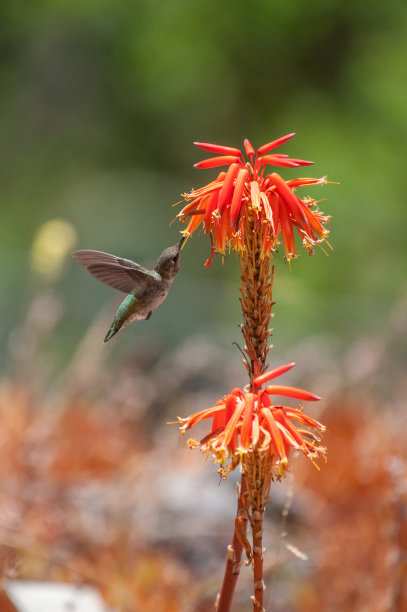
<point x="244" y="422"/>
<point x="222" y="206"/>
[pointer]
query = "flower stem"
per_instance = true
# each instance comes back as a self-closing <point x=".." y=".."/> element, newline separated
<point x="256" y="301"/>
<point x="257" y="529"/>
<point x="258" y="469"/>
<point x="234" y="557"/>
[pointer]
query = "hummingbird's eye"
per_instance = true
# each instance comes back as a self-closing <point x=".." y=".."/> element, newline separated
<point x="175" y="259"/>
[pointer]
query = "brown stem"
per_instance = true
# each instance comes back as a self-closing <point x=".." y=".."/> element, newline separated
<point x="257" y="529"/>
<point x="234" y="557"/>
<point x="258" y="469"/>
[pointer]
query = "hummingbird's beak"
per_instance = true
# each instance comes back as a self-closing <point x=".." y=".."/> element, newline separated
<point x="181" y="242"/>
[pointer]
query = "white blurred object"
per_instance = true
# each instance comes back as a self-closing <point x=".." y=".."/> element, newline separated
<point x="31" y="596"/>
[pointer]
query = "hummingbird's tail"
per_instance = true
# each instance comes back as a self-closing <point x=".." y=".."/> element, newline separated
<point x="112" y="332"/>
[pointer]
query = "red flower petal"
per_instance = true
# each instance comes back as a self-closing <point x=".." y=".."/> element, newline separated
<point x="193" y="224"/>
<point x="235" y="207"/>
<point x="303" y="418"/>
<point x="207" y="189"/>
<point x="208" y="262"/>
<point x="303" y="182"/>
<point x="274" y="144"/>
<point x="286" y="426"/>
<point x="287" y="233"/>
<point x="255" y="430"/>
<point x="218" y="421"/>
<point x="184" y="213"/>
<point x="225" y="193"/>
<point x="292" y="392"/>
<point x="268" y="212"/>
<point x="267" y="441"/>
<point x="269" y="423"/>
<point x="263" y="378"/>
<point x="210" y="207"/>
<point x="288" y="196"/>
<point x="230" y="428"/>
<point x="214" y="162"/>
<point x="248" y="148"/>
<point x="302" y="162"/>
<point x="274" y="202"/>
<point x="230" y="401"/>
<point x="316" y="226"/>
<point x="289" y="440"/>
<point x="207" y="413"/>
<point x="214" y="148"/>
<point x="273" y="160"/>
<point x="255" y="194"/>
<point x="264" y="399"/>
<point x="221" y="231"/>
<point x="247" y="420"/>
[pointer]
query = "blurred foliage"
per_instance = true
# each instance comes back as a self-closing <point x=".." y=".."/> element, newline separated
<point x="95" y="489"/>
<point x="101" y="101"/>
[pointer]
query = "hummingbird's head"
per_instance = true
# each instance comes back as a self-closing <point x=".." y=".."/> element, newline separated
<point x="169" y="261"/>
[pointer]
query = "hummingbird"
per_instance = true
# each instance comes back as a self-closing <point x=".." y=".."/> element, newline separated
<point x="145" y="289"/>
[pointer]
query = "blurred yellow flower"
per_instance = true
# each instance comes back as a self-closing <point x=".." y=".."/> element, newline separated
<point x="53" y="241"/>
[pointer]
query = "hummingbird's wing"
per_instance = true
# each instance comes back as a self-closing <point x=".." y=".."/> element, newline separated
<point x="122" y="274"/>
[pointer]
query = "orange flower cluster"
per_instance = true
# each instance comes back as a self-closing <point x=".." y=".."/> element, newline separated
<point x="221" y="207"/>
<point x="244" y="422"/>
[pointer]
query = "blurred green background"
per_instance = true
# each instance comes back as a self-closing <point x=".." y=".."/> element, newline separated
<point x="100" y="103"/>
